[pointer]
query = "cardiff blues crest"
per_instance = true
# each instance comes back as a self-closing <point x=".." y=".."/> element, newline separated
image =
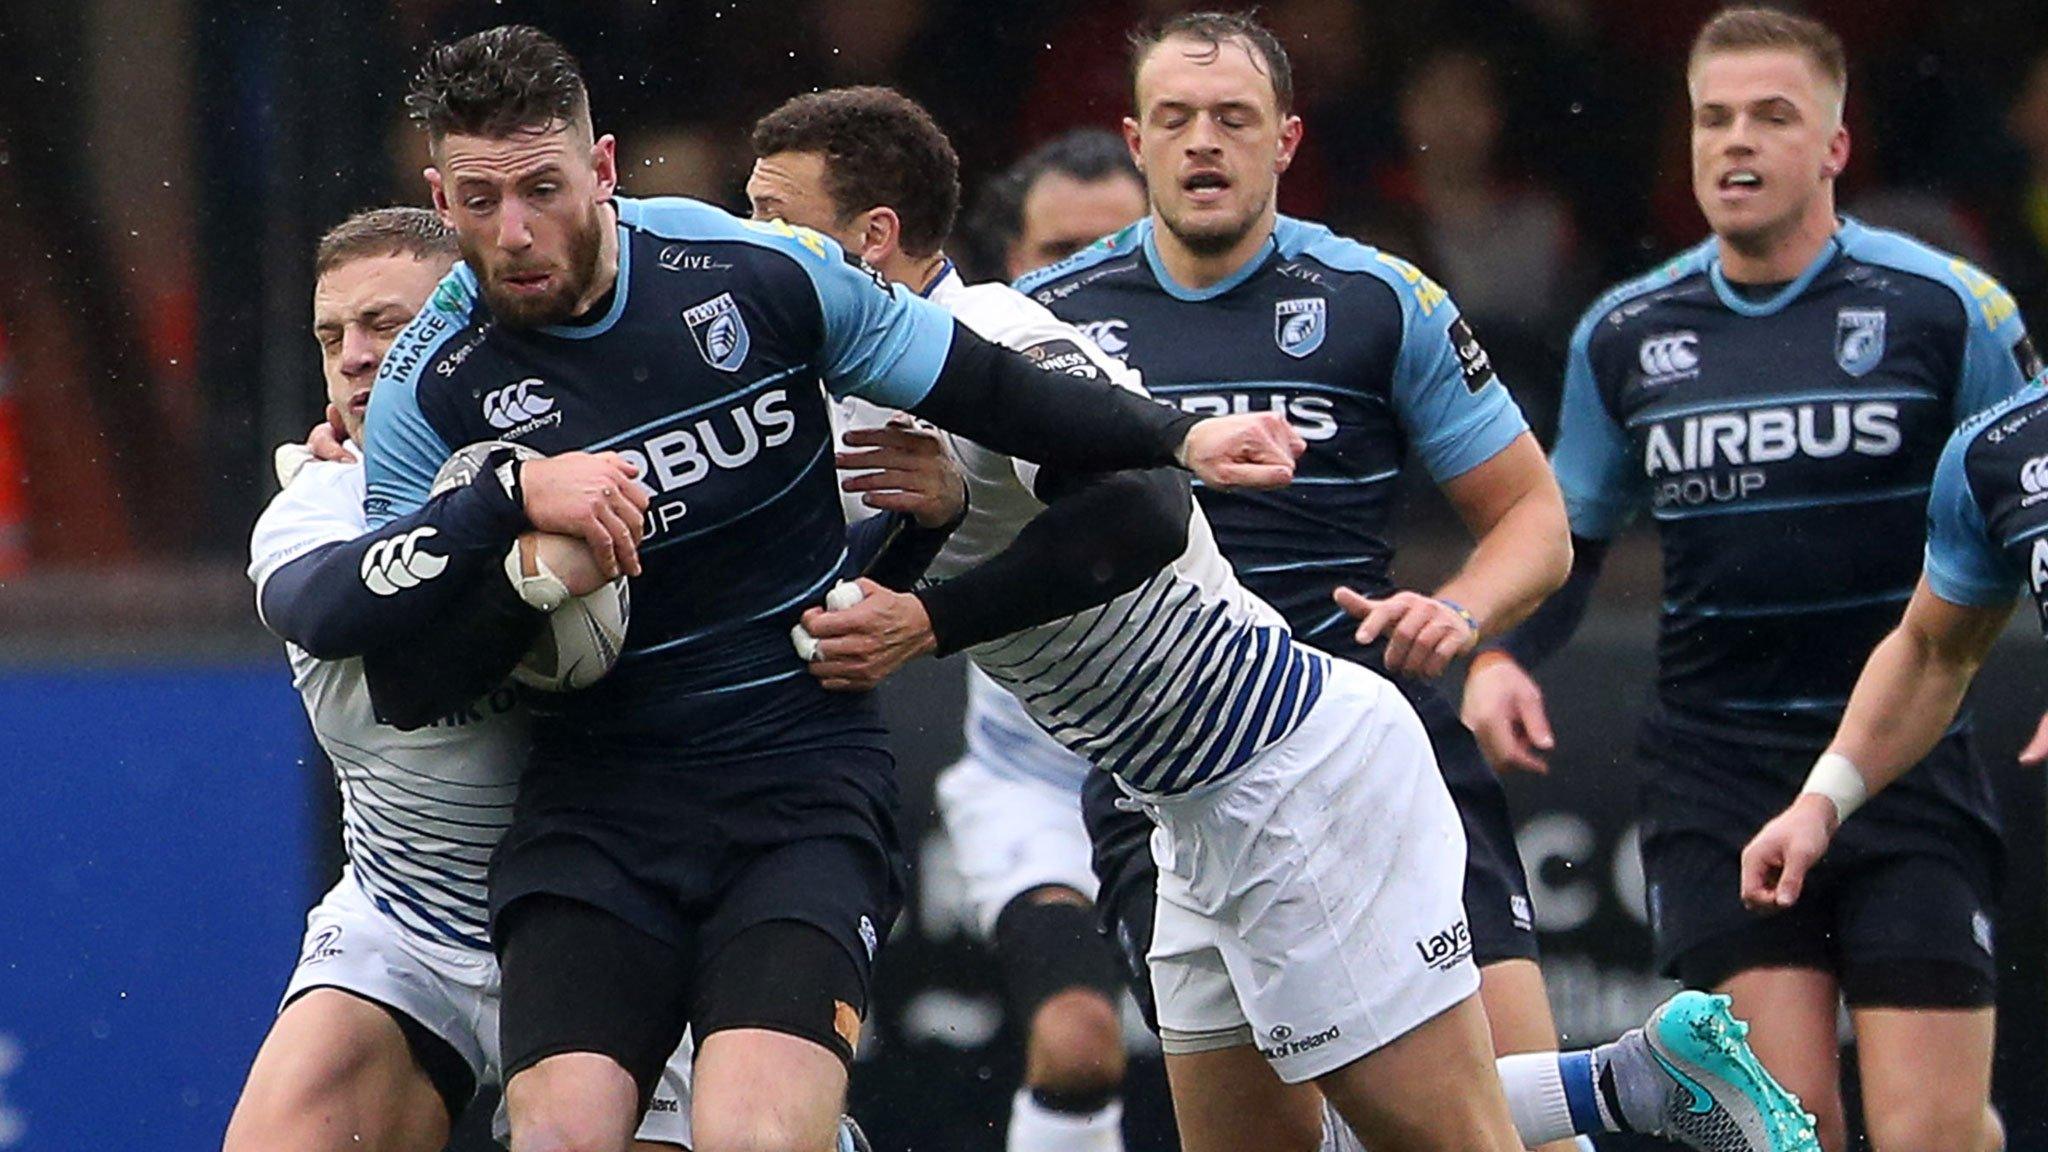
<point x="1298" y="325"/>
<point x="720" y="332"/>
<point x="1859" y="339"/>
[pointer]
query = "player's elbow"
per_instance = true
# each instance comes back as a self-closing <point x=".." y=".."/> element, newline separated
<point x="1161" y="506"/>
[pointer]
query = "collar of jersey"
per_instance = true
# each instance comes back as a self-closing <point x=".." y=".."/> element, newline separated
<point x="1180" y="292"/>
<point x="1836" y="244"/>
<point x="618" y="308"/>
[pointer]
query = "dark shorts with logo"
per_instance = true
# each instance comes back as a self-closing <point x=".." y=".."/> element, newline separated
<point x="1496" y="888"/>
<point x="681" y="863"/>
<point x="1900" y="911"/>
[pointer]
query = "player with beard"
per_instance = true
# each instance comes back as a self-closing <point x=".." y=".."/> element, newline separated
<point x="704" y="839"/>
<point x="389" y="1022"/>
<point x="1778" y="396"/>
<point x="862" y="165"/>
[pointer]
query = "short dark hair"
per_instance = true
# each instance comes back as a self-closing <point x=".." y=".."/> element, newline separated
<point x="494" y="83"/>
<point x="1753" y="27"/>
<point x="414" y="232"/>
<point x="1214" y="29"/>
<point x="881" y="149"/>
<point x="1086" y="155"/>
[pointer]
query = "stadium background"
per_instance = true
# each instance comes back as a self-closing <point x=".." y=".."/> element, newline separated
<point x="165" y="166"/>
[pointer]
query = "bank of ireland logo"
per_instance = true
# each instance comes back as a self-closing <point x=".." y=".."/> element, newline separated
<point x="1859" y="339"/>
<point x="1668" y="357"/>
<point x="720" y="332"/>
<point x="1298" y="325"/>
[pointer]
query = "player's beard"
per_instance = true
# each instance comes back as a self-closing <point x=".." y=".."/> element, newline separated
<point x="573" y="279"/>
<point x="1214" y="237"/>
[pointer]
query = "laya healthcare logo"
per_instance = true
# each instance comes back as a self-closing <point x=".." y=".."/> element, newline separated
<point x="1443" y="950"/>
<point x="1670" y="357"/>
<point x="515" y="404"/>
<point x="391" y="566"/>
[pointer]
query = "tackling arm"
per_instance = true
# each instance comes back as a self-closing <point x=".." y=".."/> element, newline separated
<point x="1523" y="553"/>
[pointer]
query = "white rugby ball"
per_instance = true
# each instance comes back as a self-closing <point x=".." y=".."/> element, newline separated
<point x="584" y="636"/>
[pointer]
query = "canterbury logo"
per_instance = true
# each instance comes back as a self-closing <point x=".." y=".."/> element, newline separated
<point x="1672" y="355"/>
<point x="391" y="566"/>
<point x="516" y="403"/>
<point x="2034" y="475"/>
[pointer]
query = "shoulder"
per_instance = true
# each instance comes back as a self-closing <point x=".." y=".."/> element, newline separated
<point x="450" y="309"/>
<point x="1115" y="251"/>
<point x="1980" y="297"/>
<point x="678" y="219"/>
<point x="1622" y="306"/>
<point x="997" y="312"/>
<point x="2019" y="420"/>
<point x="324" y="502"/>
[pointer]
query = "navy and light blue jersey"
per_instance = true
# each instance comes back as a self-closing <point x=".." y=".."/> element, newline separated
<point x="704" y="370"/>
<point x="1987" y="522"/>
<point x="1785" y="447"/>
<point x="1367" y="358"/>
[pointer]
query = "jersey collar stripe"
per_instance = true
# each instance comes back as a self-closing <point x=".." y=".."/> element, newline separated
<point x="1776" y="303"/>
<point x="618" y="308"/>
<point x="1174" y="289"/>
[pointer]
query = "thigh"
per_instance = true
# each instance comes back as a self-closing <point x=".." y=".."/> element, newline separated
<point x="757" y="1088"/>
<point x="1916" y="931"/>
<point x="1792" y="1015"/>
<point x="846" y="889"/>
<point x="1703" y="933"/>
<point x="337" y="1073"/>
<point x="1434" y="1087"/>
<point x="1228" y="1100"/>
<point x="578" y="980"/>
<point x="1926" y="1076"/>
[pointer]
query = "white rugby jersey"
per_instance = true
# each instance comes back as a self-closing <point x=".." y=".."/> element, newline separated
<point x="1171" y="685"/>
<point x="421" y="811"/>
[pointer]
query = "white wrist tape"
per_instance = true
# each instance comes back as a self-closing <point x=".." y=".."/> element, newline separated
<point x="1836" y="777"/>
<point x="531" y="577"/>
<point x="843" y="595"/>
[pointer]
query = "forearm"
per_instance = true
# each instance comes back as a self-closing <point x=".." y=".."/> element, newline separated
<point x="1094" y="542"/>
<point x="1908" y="695"/>
<point x="997" y="398"/>
<point x="1550" y="625"/>
<point x="894" y="550"/>
<point x="456" y="659"/>
<point x="1525" y="557"/>
<point x="385" y="585"/>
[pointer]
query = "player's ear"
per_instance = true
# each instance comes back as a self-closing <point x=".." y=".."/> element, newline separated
<point x="1131" y="142"/>
<point x="604" y="161"/>
<point x="439" y="191"/>
<point x="1290" y="139"/>
<point x="880" y="236"/>
<point x="1838" y="153"/>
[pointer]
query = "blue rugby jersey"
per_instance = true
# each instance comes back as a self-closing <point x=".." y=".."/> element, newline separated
<point x="1368" y="359"/>
<point x="705" y="371"/>
<point x="1785" y="447"/>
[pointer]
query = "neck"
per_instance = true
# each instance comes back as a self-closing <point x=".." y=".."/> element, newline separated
<point x="917" y="273"/>
<point x="1782" y="257"/>
<point x="1193" y="269"/>
<point x="607" y="260"/>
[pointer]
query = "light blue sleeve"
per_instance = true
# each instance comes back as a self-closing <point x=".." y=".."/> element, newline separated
<point x="1964" y="566"/>
<point x="1994" y="346"/>
<point x="1453" y="407"/>
<point x="883" y="342"/>
<point x="401" y="448"/>
<point x="1591" y="457"/>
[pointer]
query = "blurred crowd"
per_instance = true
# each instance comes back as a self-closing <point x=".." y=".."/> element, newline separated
<point x="1525" y="152"/>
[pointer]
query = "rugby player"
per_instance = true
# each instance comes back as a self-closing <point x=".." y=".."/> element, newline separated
<point x="868" y="167"/>
<point x="1126" y="676"/>
<point x="1778" y="396"/>
<point x="1985" y="547"/>
<point x="389" y="1022"/>
<point x="1226" y="306"/>
<point x="705" y="839"/>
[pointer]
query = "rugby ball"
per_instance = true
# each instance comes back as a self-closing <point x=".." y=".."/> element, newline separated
<point x="584" y="634"/>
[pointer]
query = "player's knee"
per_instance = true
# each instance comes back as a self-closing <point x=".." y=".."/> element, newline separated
<point x="299" y="1093"/>
<point x="768" y="1130"/>
<point x="1930" y="1122"/>
<point x="577" y="1102"/>
<point x="1076" y="1046"/>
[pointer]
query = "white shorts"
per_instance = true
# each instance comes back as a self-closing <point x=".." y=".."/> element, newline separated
<point x="452" y="991"/>
<point x="1012" y="833"/>
<point x="1311" y="904"/>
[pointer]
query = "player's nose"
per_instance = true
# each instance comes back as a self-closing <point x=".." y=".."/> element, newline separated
<point x="360" y="353"/>
<point x="514" y="230"/>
